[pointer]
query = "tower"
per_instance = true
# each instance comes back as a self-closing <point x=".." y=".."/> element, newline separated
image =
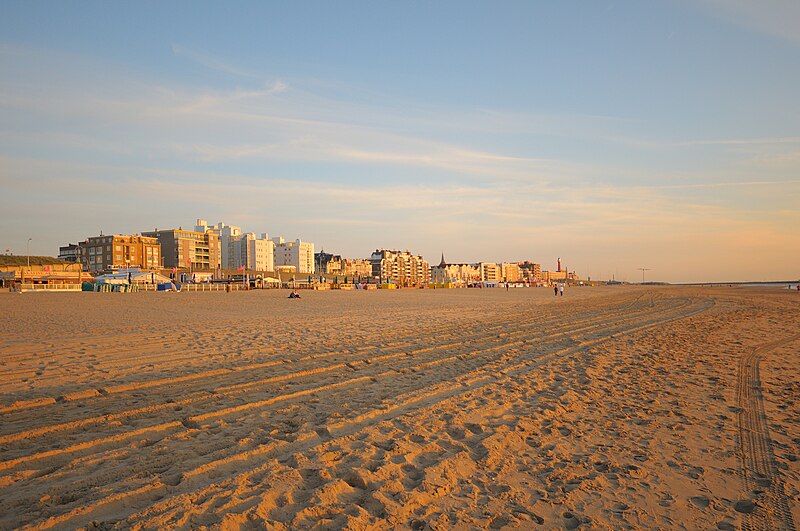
<point x="559" y="265"/>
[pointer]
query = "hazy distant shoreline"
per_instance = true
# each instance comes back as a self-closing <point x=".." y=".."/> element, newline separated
<point x="757" y="284"/>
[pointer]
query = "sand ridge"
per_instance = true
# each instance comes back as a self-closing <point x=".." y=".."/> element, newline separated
<point x="608" y="408"/>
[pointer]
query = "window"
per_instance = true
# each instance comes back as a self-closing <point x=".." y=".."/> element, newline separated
<point x="118" y="248"/>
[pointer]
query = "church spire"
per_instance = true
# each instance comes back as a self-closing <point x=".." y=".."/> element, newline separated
<point x="442" y="263"/>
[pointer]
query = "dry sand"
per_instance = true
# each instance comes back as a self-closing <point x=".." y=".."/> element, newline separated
<point x="607" y="408"/>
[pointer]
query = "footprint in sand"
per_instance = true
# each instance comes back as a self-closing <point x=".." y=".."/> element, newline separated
<point x="699" y="501"/>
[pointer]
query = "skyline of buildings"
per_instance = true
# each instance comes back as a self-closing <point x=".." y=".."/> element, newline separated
<point x="399" y="267"/>
<point x="222" y="249"/>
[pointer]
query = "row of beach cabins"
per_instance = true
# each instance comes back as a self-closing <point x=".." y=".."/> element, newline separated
<point x="60" y="277"/>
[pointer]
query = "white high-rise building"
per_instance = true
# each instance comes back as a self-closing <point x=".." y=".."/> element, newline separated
<point x="298" y="253"/>
<point x="254" y="253"/>
<point x="228" y="235"/>
<point x="238" y="249"/>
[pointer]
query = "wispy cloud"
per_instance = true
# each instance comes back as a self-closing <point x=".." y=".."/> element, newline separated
<point x="211" y="62"/>
<point x="779" y="18"/>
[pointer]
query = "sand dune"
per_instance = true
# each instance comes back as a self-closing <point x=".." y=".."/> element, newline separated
<point x="607" y="408"/>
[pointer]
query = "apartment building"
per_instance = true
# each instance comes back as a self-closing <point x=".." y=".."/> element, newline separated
<point x="298" y="253"/>
<point x="510" y="272"/>
<point x="109" y="253"/>
<point x="321" y="261"/>
<point x="189" y="249"/>
<point x="531" y="271"/>
<point x="255" y="254"/>
<point x="357" y="268"/>
<point x="400" y="267"/>
<point x="335" y="265"/>
<point x="457" y="274"/>
<point x="490" y="272"/>
<point x="69" y="253"/>
<point x="226" y="236"/>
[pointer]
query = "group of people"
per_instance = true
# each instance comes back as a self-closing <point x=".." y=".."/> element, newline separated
<point x="558" y="288"/>
<point x="294" y="294"/>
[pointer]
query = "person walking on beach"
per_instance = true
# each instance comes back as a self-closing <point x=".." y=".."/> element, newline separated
<point x="555" y="290"/>
<point x="561" y="289"/>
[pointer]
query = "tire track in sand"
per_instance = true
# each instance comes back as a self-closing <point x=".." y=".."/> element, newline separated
<point x="759" y="474"/>
<point x="581" y="326"/>
<point x="414" y="400"/>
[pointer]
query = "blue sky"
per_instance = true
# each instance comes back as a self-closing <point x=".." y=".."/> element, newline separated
<point x="615" y="135"/>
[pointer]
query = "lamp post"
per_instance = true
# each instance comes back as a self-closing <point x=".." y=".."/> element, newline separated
<point x="29" y="252"/>
<point x="643" y="269"/>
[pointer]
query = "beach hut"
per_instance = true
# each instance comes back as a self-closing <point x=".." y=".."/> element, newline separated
<point x="132" y="276"/>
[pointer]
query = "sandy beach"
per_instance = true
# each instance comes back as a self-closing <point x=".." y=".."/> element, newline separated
<point x="608" y="408"/>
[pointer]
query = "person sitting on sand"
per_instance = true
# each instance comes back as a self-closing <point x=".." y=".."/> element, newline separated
<point x="294" y="294"/>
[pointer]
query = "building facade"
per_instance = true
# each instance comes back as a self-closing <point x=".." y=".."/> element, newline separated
<point x="69" y="253"/>
<point x="490" y="272"/>
<point x="298" y="253"/>
<point x="531" y="272"/>
<point x="456" y="274"/>
<point x="510" y="272"/>
<point x="255" y="254"/>
<point x="321" y="261"/>
<point x="227" y="235"/>
<point x="357" y="268"/>
<point x="335" y="265"/>
<point x="189" y="249"/>
<point x="109" y="253"/>
<point x="400" y="267"/>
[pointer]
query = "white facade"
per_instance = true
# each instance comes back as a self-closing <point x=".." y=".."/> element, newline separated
<point x="238" y="249"/>
<point x="298" y="253"/>
<point x="254" y="253"/>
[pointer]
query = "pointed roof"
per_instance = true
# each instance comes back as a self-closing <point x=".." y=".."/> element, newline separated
<point x="442" y="263"/>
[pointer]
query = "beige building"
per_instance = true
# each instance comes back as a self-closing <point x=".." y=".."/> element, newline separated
<point x="531" y="272"/>
<point x="400" y="267"/>
<point x="347" y="267"/>
<point x="356" y="267"/>
<point x="109" y="253"/>
<point x="510" y="272"/>
<point x="54" y="275"/>
<point x="189" y="249"/>
<point x="554" y="276"/>
<point x="490" y="272"/>
<point x="457" y="274"/>
<point x="298" y="253"/>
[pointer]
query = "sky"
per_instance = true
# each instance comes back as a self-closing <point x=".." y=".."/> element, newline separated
<point x="614" y="135"/>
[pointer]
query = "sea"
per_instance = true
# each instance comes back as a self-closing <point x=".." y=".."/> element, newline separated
<point x="784" y="285"/>
<point x="792" y="285"/>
